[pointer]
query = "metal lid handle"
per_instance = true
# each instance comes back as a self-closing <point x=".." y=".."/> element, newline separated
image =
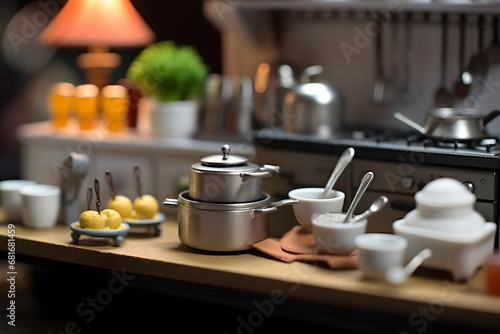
<point x="225" y="151"/>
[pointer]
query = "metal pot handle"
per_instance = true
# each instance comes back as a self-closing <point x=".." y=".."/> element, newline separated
<point x="270" y="168"/>
<point x="410" y="123"/>
<point x="171" y="202"/>
<point x="256" y="213"/>
<point x="273" y="207"/>
<point x="287" y="201"/>
<point x="264" y="171"/>
<point x="489" y="117"/>
<point x="247" y="176"/>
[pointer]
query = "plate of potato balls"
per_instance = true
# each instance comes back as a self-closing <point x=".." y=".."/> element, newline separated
<point x="97" y="223"/>
<point x="143" y="211"/>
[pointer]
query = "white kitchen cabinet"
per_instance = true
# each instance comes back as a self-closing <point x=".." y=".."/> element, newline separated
<point x="162" y="162"/>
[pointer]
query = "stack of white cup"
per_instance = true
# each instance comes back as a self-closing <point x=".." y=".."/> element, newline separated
<point x="36" y="205"/>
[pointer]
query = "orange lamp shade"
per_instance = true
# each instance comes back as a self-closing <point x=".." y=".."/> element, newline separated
<point x="111" y="23"/>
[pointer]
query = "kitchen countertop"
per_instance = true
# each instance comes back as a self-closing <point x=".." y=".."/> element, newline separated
<point x="164" y="257"/>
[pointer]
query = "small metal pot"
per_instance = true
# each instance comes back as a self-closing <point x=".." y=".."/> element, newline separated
<point x="452" y="123"/>
<point x="227" y="179"/>
<point x="223" y="227"/>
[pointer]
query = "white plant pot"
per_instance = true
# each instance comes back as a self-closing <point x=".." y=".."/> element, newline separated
<point x="174" y="119"/>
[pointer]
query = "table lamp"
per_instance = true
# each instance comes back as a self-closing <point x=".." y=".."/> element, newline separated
<point x="97" y="25"/>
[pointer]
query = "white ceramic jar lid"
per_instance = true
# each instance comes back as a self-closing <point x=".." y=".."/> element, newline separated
<point x="445" y="192"/>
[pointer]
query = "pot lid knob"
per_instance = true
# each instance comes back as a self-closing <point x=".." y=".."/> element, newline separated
<point x="225" y="151"/>
<point x="224" y="160"/>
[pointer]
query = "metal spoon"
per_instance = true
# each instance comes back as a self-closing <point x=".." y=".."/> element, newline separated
<point x="365" y="182"/>
<point x="443" y="97"/>
<point x="381" y="85"/>
<point x="378" y="204"/>
<point x="398" y="275"/>
<point x="409" y="90"/>
<point x="344" y="160"/>
<point x="478" y="66"/>
<point x="493" y="53"/>
<point x="461" y="88"/>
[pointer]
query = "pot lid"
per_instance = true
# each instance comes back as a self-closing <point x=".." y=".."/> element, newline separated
<point x="224" y="160"/>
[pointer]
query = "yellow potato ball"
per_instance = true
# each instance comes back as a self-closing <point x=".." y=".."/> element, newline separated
<point x="146" y="207"/>
<point x="112" y="219"/>
<point x="121" y="204"/>
<point x="92" y="220"/>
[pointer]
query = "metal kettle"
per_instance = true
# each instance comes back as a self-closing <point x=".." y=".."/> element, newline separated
<point x="313" y="108"/>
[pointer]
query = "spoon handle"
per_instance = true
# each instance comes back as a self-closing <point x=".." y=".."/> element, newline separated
<point x="378" y="204"/>
<point x="344" y="160"/>
<point x="365" y="182"/>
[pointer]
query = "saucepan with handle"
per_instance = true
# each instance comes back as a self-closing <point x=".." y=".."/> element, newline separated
<point x="223" y="227"/>
<point x="226" y="178"/>
<point x="448" y="124"/>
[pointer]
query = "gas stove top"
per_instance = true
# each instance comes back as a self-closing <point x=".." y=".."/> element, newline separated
<point x="391" y="145"/>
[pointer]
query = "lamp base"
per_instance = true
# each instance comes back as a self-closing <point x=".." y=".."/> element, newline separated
<point x="98" y="64"/>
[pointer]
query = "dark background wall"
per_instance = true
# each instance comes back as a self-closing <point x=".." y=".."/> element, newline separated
<point x="22" y="91"/>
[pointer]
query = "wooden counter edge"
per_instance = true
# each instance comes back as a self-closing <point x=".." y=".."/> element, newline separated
<point x="370" y="298"/>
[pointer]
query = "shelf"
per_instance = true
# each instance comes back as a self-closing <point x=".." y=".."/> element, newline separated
<point x="470" y="6"/>
<point x="254" y="20"/>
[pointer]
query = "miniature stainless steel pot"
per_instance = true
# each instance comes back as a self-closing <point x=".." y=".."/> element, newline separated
<point x="227" y="179"/>
<point x="223" y="227"/>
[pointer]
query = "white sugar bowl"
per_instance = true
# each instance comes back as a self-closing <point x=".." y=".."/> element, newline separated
<point x="445" y="221"/>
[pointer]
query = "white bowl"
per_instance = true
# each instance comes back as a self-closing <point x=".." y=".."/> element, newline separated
<point x="460" y="253"/>
<point x="334" y="237"/>
<point x="310" y="203"/>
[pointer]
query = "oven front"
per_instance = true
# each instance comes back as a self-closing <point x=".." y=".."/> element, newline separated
<point x="399" y="179"/>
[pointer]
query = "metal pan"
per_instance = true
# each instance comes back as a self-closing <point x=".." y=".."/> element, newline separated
<point x="223" y="227"/>
<point x="452" y="123"/>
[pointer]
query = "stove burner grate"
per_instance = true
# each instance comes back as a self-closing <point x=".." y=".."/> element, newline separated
<point x="388" y="136"/>
<point x="483" y="144"/>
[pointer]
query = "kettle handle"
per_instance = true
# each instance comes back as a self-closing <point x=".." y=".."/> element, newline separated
<point x="309" y="72"/>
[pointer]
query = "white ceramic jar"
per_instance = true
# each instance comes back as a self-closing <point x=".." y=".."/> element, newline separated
<point x="445" y="222"/>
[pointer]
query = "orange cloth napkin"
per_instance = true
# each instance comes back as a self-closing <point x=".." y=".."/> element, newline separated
<point x="298" y="244"/>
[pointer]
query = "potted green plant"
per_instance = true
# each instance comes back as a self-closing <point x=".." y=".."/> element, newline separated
<point x="173" y="78"/>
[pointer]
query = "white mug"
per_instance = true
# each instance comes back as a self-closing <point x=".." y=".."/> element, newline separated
<point x="10" y="198"/>
<point x="377" y="252"/>
<point x="40" y="205"/>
